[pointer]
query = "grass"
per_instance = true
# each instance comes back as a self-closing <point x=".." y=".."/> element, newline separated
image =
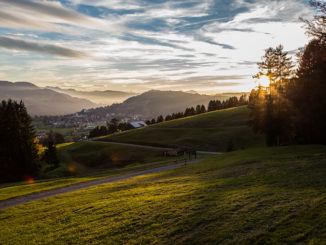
<point x="85" y="161"/>
<point x="254" y="196"/>
<point x="211" y="131"/>
<point x="89" y="157"/>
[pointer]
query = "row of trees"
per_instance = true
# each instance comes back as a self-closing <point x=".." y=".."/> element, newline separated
<point x="213" y="105"/>
<point x="291" y="109"/>
<point x="114" y="125"/>
<point x="111" y="127"/>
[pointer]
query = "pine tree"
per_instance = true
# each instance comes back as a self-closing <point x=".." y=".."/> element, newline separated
<point x="19" y="156"/>
<point x="202" y="109"/>
<point x="271" y="112"/>
<point x="50" y="154"/>
<point x="198" y="109"/>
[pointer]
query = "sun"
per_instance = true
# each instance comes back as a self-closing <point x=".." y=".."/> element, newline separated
<point x="264" y="81"/>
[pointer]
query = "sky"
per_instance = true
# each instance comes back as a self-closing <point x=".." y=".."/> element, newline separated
<point x="208" y="46"/>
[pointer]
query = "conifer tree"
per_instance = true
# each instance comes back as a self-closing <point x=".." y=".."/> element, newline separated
<point x="19" y="156"/>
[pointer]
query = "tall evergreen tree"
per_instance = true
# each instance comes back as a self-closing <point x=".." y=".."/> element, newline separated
<point x="275" y="108"/>
<point x="19" y="157"/>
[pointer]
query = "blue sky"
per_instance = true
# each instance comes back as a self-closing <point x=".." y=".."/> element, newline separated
<point x="209" y="46"/>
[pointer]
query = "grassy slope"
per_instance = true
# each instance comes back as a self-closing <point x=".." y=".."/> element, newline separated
<point x="87" y="161"/>
<point x="209" y="131"/>
<point x="255" y="196"/>
<point x="91" y="157"/>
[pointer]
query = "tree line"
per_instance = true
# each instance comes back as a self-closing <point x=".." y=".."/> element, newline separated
<point x="291" y="109"/>
<point x="213" y="105"/>
<point x="115" y="126"/>
<point x="111" y="127"/>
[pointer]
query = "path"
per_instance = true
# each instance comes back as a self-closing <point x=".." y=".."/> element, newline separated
<point x="43" y="194"/>
<point x="153" y="147"/>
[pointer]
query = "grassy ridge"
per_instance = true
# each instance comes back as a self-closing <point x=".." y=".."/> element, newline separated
<point x="84" y="161"/>
<point x="91" y="157"/>
<point x="256" y="196"/>
<point x="209" y="131"/>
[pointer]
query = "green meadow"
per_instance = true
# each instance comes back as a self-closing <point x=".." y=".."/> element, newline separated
<point x="211" y="131"/>
<point x="252" y="196"/>
<point x="85" y="161"/>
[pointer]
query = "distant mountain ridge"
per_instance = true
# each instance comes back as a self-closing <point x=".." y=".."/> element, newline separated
<point x="155" y="102"/>
<point x="105" y="97"/>
<point x="40" y="101"/>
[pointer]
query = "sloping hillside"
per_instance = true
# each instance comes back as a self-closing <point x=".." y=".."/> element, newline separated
<point x="256" y="196"/>
<point x="213" y="131"/>
<point x="154" y="103"/>
<point x="42" y="101"/>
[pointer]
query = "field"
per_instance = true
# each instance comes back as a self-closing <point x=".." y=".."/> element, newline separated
<point x="84" y="161"/>
<point x="253" y="196"/>
<point x="213" y="131"/>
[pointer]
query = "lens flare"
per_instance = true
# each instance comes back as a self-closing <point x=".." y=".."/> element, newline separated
<point x="71" y="168"/>
<point x="29" y="179"/>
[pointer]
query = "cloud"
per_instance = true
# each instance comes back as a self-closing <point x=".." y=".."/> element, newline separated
<point x="19" y="44"/>
<point x="54" y="9"/>
<point x="144" y="44"/>
<point x="50" y="16"/>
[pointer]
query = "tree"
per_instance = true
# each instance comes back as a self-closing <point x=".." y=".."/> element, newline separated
<point x="19" y="156"/>
<point x="168" y="117"/>
<point x="159" y="119"/>
<point x="317" y="27"/>
<point x="243" y="100"/>
<point x="55" y="136"/>
<point x="202" y="109"/>
<point x="211" y="105"/>
<point x="50" y="154"/>
<point x="276" y="65"/>
<point x="198" y="109"/>
<point x="270" y="107"/>
<point x="308" y="93"/>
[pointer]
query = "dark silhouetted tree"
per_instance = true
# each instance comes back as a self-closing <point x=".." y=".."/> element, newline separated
<point x="50" y="154"/>
<point x="202" y="109"/>
<point x="270" y="108"/>
<point x="159" y="119"/>
<point x="19" y="157"/>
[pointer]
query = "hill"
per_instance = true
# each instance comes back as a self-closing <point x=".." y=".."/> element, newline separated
<point x="255" y="196"/>
<point x="213" y="131"/>
<point x="105" y="97"/>
<point x="41" y="101"/>
<point x="153" y="103"/>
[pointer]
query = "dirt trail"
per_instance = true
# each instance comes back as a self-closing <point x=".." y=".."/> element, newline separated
<point x="43" y="194"/>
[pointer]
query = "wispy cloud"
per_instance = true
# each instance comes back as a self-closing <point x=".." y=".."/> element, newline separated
<point x="143" y="44"/>
<point x="19" y="44"/>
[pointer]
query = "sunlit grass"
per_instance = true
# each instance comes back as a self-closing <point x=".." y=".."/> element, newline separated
<point x="257" y="196"/>
<point x="209" y="131"/>
<point x="84" y="161"/>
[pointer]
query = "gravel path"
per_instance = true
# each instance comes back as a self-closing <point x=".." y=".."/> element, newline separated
<point x="153" y="147"/>
<point x="43" y="194"/>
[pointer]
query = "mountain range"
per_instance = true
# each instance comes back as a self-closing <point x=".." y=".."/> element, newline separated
<point x="155" y="102"/>
<point x="102" y="98"/>
<point x="58" y="101"/>
<point x="42" y="101"/>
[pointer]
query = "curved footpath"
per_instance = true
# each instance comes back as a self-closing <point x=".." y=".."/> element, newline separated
<point x="152" y="147"/>
<point x="44" y="194"/>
